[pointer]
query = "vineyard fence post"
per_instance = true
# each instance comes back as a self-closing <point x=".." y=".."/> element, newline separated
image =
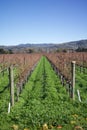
<point x="73" y="78"/>
<point x="11" y="80"/>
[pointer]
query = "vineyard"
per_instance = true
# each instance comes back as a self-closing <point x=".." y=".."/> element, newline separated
<point x="43" y="91"/>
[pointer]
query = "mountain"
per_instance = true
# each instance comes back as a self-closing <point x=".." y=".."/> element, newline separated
<point x="74" y="45"/>
<point x="46" y="47"/>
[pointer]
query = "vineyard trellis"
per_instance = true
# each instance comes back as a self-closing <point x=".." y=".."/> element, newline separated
<point x="62" y="64"/>
<point x="43" y="101"/>
<point x="25" y="64"/>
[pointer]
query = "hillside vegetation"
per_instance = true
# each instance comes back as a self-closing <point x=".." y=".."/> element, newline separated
<point x="79" y="46"/>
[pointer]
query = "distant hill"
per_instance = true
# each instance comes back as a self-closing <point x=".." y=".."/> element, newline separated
<point x="74" y="44"/>
<point x="46" y="47"/>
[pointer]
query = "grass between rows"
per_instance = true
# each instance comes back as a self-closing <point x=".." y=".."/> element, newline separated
<point x="45" y="101"/>
<point x="81" y="83"/>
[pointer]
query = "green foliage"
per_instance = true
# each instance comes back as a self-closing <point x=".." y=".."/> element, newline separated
<point x="2" y="51"/>
<point x="81" y="49"/>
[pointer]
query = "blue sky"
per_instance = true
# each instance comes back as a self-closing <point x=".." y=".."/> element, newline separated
<point x="42" y="21"/>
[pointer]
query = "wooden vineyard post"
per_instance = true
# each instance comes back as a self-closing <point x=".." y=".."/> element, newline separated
<point x="11" y="80"/>
<point x="73" y="79"/>
<point x="24" y="61"/>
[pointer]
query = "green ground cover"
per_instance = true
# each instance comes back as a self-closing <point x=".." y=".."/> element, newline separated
<point x="45" y="101"/>
<point x="81" y="84"/>
<point x="5" y="90"/>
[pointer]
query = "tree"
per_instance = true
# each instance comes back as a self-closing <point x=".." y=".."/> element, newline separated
<point x="30" y="51"/>
<point x="10" y="51"/>
<point x="2" y="51"/>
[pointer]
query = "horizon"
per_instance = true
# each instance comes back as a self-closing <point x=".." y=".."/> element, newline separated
<point x="44" y="43"/>
<point x="47" y="21"/>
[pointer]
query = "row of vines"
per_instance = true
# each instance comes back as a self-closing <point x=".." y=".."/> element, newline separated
<point x="15" y="71"/>
<point x="63" y="64"/>
<point x="41" y="101"/>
